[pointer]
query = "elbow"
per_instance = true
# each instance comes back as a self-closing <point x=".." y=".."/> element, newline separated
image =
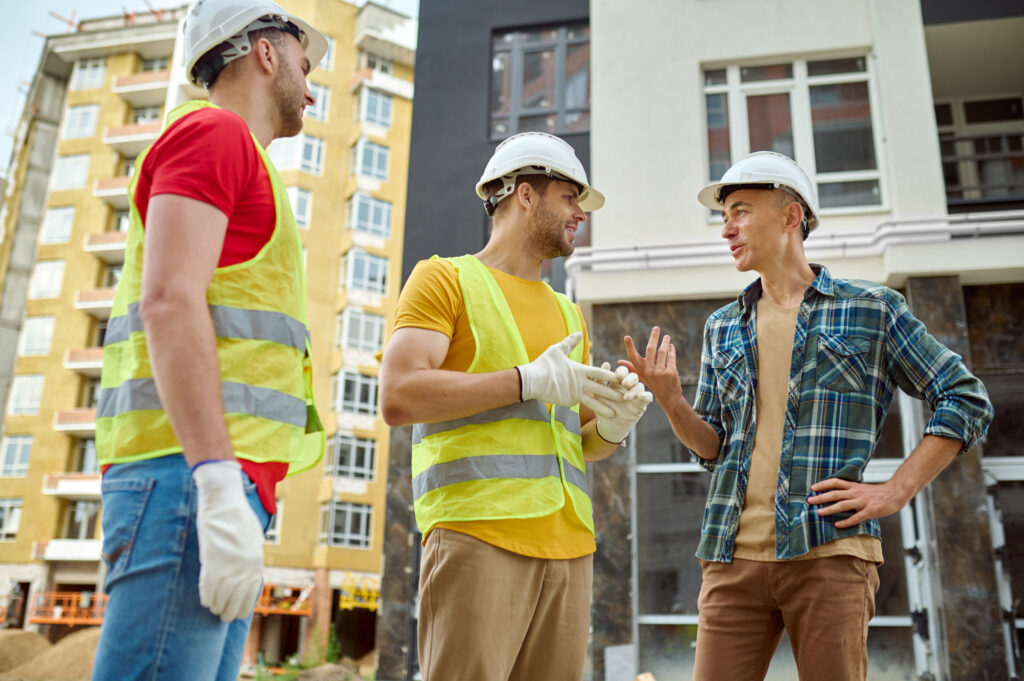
<point x="394" y="412"/>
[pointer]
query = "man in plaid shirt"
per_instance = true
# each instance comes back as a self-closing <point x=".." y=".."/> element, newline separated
<point x="796" y="378"/>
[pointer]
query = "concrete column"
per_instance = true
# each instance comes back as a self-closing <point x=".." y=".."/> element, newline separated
<point x="315" y="636"/>
<point x="956" y="508"/>
<point x="252" y="641"/>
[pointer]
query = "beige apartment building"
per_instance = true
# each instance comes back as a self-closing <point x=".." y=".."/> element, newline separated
<point x="97" y="100"/>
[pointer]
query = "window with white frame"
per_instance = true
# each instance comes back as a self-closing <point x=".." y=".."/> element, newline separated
<point x="817" y="112"/>
<point x="10" y="518"/>
<point x="36" y="335"/>
<point x="47" y="277"/>
<point x="322" y="95"/>
<point x="85" y="456"/>
<point x="14" y="455"/>
<point x="375" y="107"/>
<point x="355" y="393"/>
<point x="358" y="330"/>
<point x="88" y="73"/>
<point x="157" y="64"/>
<point x="122" y="219"/>
<point x="345" y="524"/>
<point x="80" y="520"/>
<point x="377" y="63"/>
<point x="365" y="272"/>
<point x="540" y="81"/>
<point x="57" y="225"/>
<point x="371" y="159"/>
<point x="146" y="114"/>
<point x="26" y="391"/>
<point x="369" y="215"/>
<point x="80" y="121"/>
<point x="302" y="152"/>
<point x="328" y="60"/>
<point x="351" y="457"/>
<point x="70" y="172"/>
<point x="302" y="205"/>
<point x="273" y="533"/>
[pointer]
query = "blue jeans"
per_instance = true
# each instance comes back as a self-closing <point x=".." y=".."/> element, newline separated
<point x="154" y="627"/>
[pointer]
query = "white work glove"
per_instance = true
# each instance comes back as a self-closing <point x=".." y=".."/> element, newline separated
<point x="230" y="542"/>
<point x="556" y="379"/>
<point x="625" y="412"/>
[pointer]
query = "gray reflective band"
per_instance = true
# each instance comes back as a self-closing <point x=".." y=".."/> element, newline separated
<point x="576" y="477"/>
<point x="140" y="394"/>
<point x="518" y="466"/>
<point x="532" y="410"/>
<point x="228" y="322"/>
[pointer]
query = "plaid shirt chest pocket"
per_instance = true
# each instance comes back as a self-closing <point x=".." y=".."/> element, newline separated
<point x="731" y="376"/>
<point x="842" y="363"/>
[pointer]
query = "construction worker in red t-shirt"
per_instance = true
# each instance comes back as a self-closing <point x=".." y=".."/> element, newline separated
<point x="206" y="399"/>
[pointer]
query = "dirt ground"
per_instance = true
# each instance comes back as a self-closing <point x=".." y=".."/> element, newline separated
<point x="70" y="659"/>
<point x="18" y="647"/>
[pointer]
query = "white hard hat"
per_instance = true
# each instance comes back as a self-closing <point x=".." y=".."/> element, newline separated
<point x="212" y="22"/>
<point x="769" y="170"/>
<point x="536" y="153"/>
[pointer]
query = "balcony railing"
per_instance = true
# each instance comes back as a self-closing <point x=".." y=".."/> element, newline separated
<point x="85" y="361"/>
<point x="80" y="422"/>
<point x="72" y="608"/>
<point x="96" y="302"/>
<point x="72" y="550"/>
<point x="284" y="600"/>
<point x="107" y="246"/>
<point x="131" y="139"/>
<point x="982" y="169"/>
<point x="113" y="190"/>
<point x="148" y="88"/>
<point x="382" y="81"/>
<point x="74" y="486"/>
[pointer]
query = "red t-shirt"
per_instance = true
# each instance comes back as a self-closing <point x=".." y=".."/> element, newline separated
<point x="209" y="155"/>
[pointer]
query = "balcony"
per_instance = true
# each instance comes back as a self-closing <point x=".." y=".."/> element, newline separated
<point x="73" y="608"/>
<point x="382" y="32"/>
<point x="148" y="88"/>
<point x="107" y="246"/>
<point x="984" y="171"/>
<point x="129" y="140"/>
<point x="113" y="190"/>
<point x="97" y="302"/>
<point x="383" y="82"/>
<point x="78" y="550"/>
<point x="85" y="361"/>
<point x="72" y="486"/>
<point x="80" y="422"/>
<point x="285" y="600"/>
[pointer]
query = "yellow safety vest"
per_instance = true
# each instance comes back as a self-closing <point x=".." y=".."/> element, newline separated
<point x="509" y="462"/>
<point x="258" y="309"/>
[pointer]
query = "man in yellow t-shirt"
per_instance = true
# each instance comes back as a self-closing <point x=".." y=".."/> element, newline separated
<point x="486" y="361"/>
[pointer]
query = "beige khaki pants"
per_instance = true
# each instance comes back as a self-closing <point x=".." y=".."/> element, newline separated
<point x="824" y="605"/>
<point x="487" y="614"/>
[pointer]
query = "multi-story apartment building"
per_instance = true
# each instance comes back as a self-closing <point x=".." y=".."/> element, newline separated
<point x="909" y="117"/>
<point x="98" y="99"/>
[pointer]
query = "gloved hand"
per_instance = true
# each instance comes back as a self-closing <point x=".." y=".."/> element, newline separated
<point x="556" y="379"/>
<point x="230" y="542"/>
<point x="627" y="411"/>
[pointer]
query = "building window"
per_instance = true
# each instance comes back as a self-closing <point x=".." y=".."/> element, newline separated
<point x="365" y="272"/>
<point x="122" y="218"/>
<point x="158" y="64"/>
<point x="355" y="393"/>
<point x="14" y="455"/>
<point x="35" y="337"/>
<point x="26" y="392"/>
<point x="10" y="518"/>
<point x="85" y="457"/>
<point x="982" y="149"/>
<point x="816" y="112"/>
<point x="80" y="121"/>
<point x="369" y="215"/>
<point x="302" y="205"/>
<point x="57" y="225"/>
<point x="128" y="165"/>
<point x="47" y="277"/>
<point x="540" y="80"/>
<point x="377" y="63"/>
<point x="345" y="524"/>
<point x="301" y="152"/>
<point x="111" y="275"/>
<point x="322" y="95"/>
<point x="327" y="63"/>
<point x="371" y="160"/>
<point x="70" y="172"/>
<point x="91" y="393"/>
<point x="146" y="114"/>
<point x="80" y="521"/>
<point x="375" y="107"/>
<point x="88" y="73"/>
<point x="358" y="330"/>
<point x="273" y="533"/>
<point x="351" y="457"/>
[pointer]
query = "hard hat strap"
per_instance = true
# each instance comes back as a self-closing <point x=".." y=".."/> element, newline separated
<point x="239" y="45"/>
<point x="508" y="184"/>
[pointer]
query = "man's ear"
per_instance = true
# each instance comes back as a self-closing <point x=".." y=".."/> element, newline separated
<point x="525" y="195"/>
<point x="794" y="216"/>
<point x="266" y="54"/>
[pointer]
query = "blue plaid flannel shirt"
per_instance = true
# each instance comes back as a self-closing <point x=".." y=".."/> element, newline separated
<point x="855" y="343"/>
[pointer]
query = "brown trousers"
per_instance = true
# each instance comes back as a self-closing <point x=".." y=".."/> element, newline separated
<point x="823" y="604"/>
<point x="487" y="614"/>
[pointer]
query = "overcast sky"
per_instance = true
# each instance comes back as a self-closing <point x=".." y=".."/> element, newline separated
<point x="24" y="17"/>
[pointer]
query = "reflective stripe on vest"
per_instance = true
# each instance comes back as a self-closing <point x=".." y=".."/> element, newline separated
<point x="495" y="466"/>
<point x="529" y="411"/>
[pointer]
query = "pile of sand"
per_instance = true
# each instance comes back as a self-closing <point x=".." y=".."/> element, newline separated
<point x="345" y="670"/>
<point x="69" y="660"/>
<point x="18" y="647"/>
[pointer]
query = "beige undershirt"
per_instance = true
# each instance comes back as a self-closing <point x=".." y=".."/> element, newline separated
<point x="755" y="539"/>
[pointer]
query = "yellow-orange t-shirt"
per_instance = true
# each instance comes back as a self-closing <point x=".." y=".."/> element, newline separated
<point x="432" y="299"/>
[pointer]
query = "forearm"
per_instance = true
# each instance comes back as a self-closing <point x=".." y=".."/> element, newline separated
<point x="931" y="456"/>
<point x="691" y="429"/>
<point x="183" y="353"/>
<point x="595" y="447"/>
<point x="431" y="395"/>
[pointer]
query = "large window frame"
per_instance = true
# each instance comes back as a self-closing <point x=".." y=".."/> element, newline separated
<point x="88" y="74"/>
<point x="376" y="107"/>
<point x="345" y="524"/>
<point x="365" y="272"/>
<point x="10" y="518"/>
<point x="26" y="394"/>
<point x="14" y="456"/>
<point x="36" y="337"/>
<point x="737" y="83"/>
<point x="321" y="109"/>
<point x="302" y="205"/>
<point x="369" y="215"/>
<point x="80" y="121"/>
<point x="351" y="457"/>
<point x="70" y="172"/>
<point x="355" y="393"/>
<point x="360" y="330"/>
<point x="302" y="152"/>
<point x="57" y="225"/>
<point x="511" y="50"/>
<point x="370" y="160"/>
<point x="47" y="279"/>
